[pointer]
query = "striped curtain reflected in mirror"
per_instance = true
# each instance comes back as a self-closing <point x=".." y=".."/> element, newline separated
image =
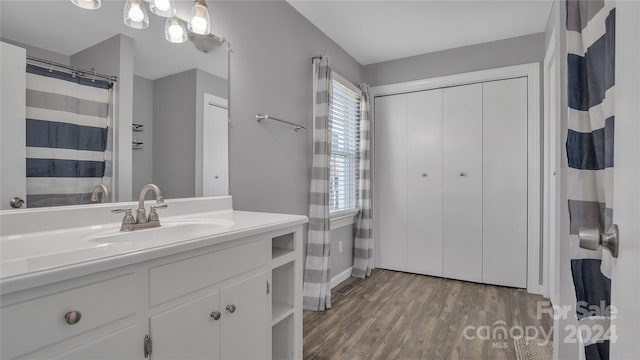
<point x="69" y="137"/>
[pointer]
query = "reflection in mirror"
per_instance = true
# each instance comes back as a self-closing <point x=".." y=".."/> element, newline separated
<point x="111" y="107"/>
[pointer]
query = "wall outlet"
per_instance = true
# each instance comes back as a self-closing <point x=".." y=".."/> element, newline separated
<point x="340" y="247"/>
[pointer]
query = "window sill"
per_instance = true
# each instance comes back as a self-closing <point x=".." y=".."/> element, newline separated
<point x="340" y="219"/>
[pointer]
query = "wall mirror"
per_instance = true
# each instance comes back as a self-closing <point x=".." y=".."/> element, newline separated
<point x="163" y="121"/>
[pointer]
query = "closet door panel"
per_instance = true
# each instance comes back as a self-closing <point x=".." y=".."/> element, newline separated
<point x="390" y="184"/>
<point x="424" y="183"/>
<point x="462" y="182"/>
<point x="505" y="182"/>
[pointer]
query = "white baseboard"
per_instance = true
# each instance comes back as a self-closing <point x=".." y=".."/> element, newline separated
<point x="336" y="280"/>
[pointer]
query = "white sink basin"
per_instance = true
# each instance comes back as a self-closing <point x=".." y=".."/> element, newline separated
<point x="173" y="229"/>
<point x="39" y="251"/>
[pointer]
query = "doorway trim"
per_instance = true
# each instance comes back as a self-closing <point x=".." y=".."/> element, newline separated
<point x="551" y="177"/>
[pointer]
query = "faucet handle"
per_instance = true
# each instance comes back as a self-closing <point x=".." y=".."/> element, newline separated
<point x="118" y="211"/>
<point x="128" y="216"/>
<point x="153" y="215"/>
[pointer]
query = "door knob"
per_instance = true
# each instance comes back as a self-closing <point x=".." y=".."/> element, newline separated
<point x="16" y="202"/>
<point x="215" y="315"/>
<point x="231" y="308"/>
<point x="463" y="173"/>
<point x="424" y="174"/>
<point x="591" y="239"/>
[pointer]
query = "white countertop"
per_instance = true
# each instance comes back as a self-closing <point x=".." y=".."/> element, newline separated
<point x="37" y="258"/>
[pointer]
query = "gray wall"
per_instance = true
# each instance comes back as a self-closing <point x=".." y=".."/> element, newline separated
<point x="500" y="53"/>
<point x="341" y="262"/>
<point x="212" y="84"/>
<point x="114" y="56"/>
<point x="273" y="44"/>
<point x="41" y="53"/>
<point x="177" y="111"/>
<point x="142" y="159"/>
<point x="174" y="128"/>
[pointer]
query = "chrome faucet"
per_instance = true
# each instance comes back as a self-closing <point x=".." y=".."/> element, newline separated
<point x="100" y="188"/>
<point x="141" y="221"/>
<point x="141" y="217"/>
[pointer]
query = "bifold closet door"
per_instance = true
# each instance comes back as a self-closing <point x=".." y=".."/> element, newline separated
<point x="505" y="182"/>
<point x="462" y="182"/>
<point x="424" y="182"/>
<point x="391" y="180"/>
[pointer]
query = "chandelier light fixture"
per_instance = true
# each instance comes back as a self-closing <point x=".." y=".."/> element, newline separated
<point x="199" y="22"/>
<point x="88" y="4"/>
<point x="135" y="15"/>
<point x="176" y="30"/>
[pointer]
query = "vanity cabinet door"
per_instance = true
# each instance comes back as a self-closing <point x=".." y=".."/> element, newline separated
<point x="244" y="326"/>
<point x="188" y="331"/>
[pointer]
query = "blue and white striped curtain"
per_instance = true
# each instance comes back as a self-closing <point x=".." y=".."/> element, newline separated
<point x="68" y="137"/>
<point x="591" y="69"/>
<point x="317" y="281"/>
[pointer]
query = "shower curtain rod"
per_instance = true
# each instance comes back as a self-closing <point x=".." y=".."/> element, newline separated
<point x="89" y="74"/>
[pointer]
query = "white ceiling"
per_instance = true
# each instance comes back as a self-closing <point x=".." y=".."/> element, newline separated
<point x="60" y="26"/>
<point x="375" y="31"/>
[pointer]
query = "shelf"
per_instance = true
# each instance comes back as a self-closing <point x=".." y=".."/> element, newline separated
<point x="280" y="356"/>
<point x="280" y="312"/>
<point x="282" y="339"/>
<point x="283" y="259"/>
<point x="282" y="245"/>
<point x="277" y="252"/>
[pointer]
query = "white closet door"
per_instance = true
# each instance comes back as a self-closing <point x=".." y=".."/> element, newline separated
<point x="505" y="182"/>
<point x="424" y="183"/>
<point x="462" y="182"/>
<point x="391" y="180"/>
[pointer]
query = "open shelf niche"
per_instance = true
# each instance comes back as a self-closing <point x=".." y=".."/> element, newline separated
<point x="282" y="245"/>
<point x="282" y="294"/>
<point x="282" y="339"/>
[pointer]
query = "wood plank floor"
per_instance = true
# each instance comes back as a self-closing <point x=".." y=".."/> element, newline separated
<point x="395" y="315"/>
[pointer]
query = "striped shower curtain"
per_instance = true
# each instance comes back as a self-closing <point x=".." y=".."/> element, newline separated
<point x="591" y="61"/>
<point x="317" y="283"/>
<point x="68" y="137"/>
<point x="363" y="245"/>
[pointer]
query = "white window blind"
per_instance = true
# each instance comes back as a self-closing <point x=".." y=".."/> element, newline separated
<point x="344" y="120"/>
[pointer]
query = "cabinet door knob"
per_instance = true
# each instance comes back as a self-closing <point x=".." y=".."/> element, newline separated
<point x="463" y="173"/>
<point x="215" y="315"/>
<point x="16" y="202"/>
<point x="73" y="317"/>
<point x="231" y="308"/>
<point x="424" y="174"/>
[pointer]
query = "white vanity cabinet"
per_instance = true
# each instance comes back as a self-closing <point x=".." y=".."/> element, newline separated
<point x="230" y="323"/>
<point x="210" y="302"/>
<point x="42" y="318"/>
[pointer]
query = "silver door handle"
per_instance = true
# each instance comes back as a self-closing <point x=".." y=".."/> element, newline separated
<point x="591" y="239"/>
<point x="462" y="173"/>
<point x="16" y="202"/>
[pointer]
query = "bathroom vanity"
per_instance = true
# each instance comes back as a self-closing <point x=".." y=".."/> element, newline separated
<point x="211" y="282"/>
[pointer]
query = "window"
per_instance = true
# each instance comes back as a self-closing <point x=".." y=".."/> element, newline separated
<point x="344" y="120"/>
